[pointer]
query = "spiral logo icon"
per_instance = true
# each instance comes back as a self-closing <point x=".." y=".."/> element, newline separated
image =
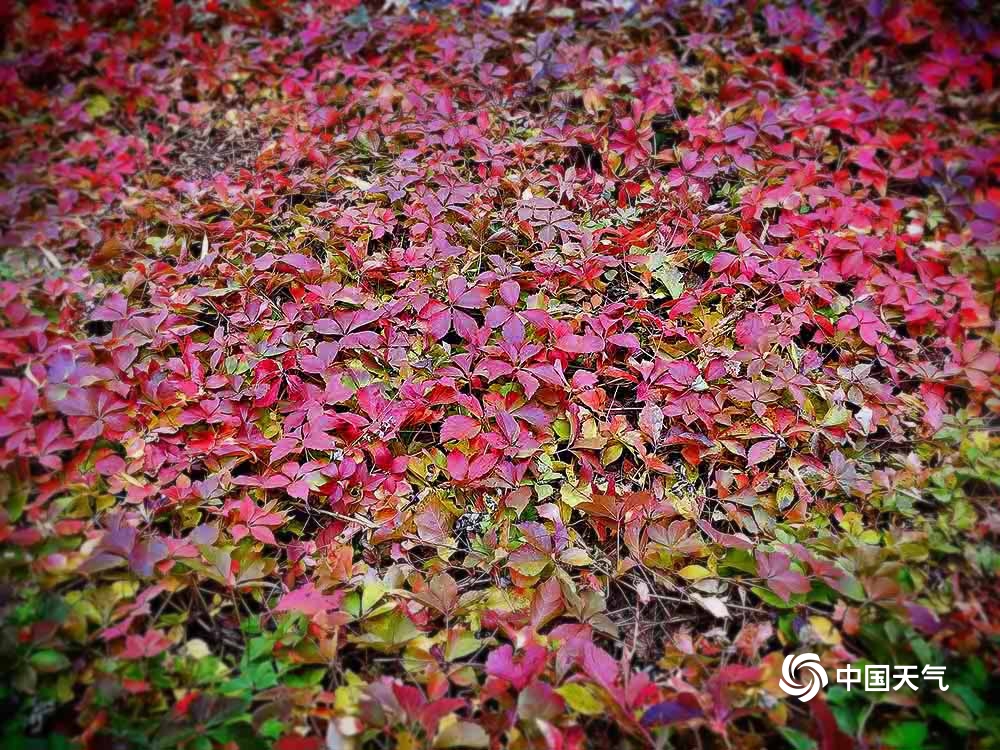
<point x="815" y="678"/>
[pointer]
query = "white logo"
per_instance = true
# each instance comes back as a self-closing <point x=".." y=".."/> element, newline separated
<point x="816" y="678"/>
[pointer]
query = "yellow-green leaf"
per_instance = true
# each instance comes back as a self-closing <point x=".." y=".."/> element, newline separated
<point x="694" y="572"/>
<point x="837" y="415"/>
<point x="571" y="495"/>
<point x="456" y="733"/>
<point x="98" y="106"/>
<point x="575" y="556"/>
<point x="582" y="699"/>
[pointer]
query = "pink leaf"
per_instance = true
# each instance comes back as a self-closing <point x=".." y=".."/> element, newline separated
<point x="459" y="427"/>
<point x="458" y="465"/>
<point x="300" y="262"/>
<point x="482" y="465"/>
<point x="775" y="568"/>
<point x="519" y="672"/>
<point x="762" y="451"/>
<point x="509" y="292"/>
<point x="599" y="666"/>
<point x="624" y="340"/>
<point x="651" y="422"/>
<point x="282" y="448"/>
<point x="307" y="600"/>
<point x="586" y="344"/>
<point x="262" y="534"/>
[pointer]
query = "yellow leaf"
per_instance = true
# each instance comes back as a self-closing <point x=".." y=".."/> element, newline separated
<point x="575" y="556"/>
<point x="837" y="415"/>
<point x="590" y="437"/>
<point x="824" y="630"/>
<point x="685" y="506"/>
<point x="611" y="454"/>
<point x="461" y="645"/>
<point x="455" y="733"/>
<point x="196" y="648"/>
<point x="851" y="523"/>
<point x="542" y="491"/>
<point x="694" y="572"/>
<point x="582" y="699"/>
<point x="870" y="537"/>
<point x="571" y="495"/>
<point x="347" y="696"/>
<point x="370" y="595"/>
<point x="785" y="496"/>
<point x="98" y="106"/>
<point x="530" y="568"/>
<point x="593" y="102"/>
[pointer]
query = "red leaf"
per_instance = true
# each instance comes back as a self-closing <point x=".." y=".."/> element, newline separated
<point x="776" y="569"/>
<point x="547" y="603"/>
<point x="482" y="465"/>
<point x="145" y="646"/>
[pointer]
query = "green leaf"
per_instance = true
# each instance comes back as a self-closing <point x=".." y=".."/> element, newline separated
<point x="389" y="632"/>
<point x="48" y="661"/>
<point x="561" y="429"/>
<point x="768" y="597"/>
<point x="260" y="647"/>
<point x="798" y="740"/>
<point x="370" y="595"/>
<point x="909" y="735"/>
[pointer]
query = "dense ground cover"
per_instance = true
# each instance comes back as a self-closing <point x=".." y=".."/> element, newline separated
<point x="474" y="376"/>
